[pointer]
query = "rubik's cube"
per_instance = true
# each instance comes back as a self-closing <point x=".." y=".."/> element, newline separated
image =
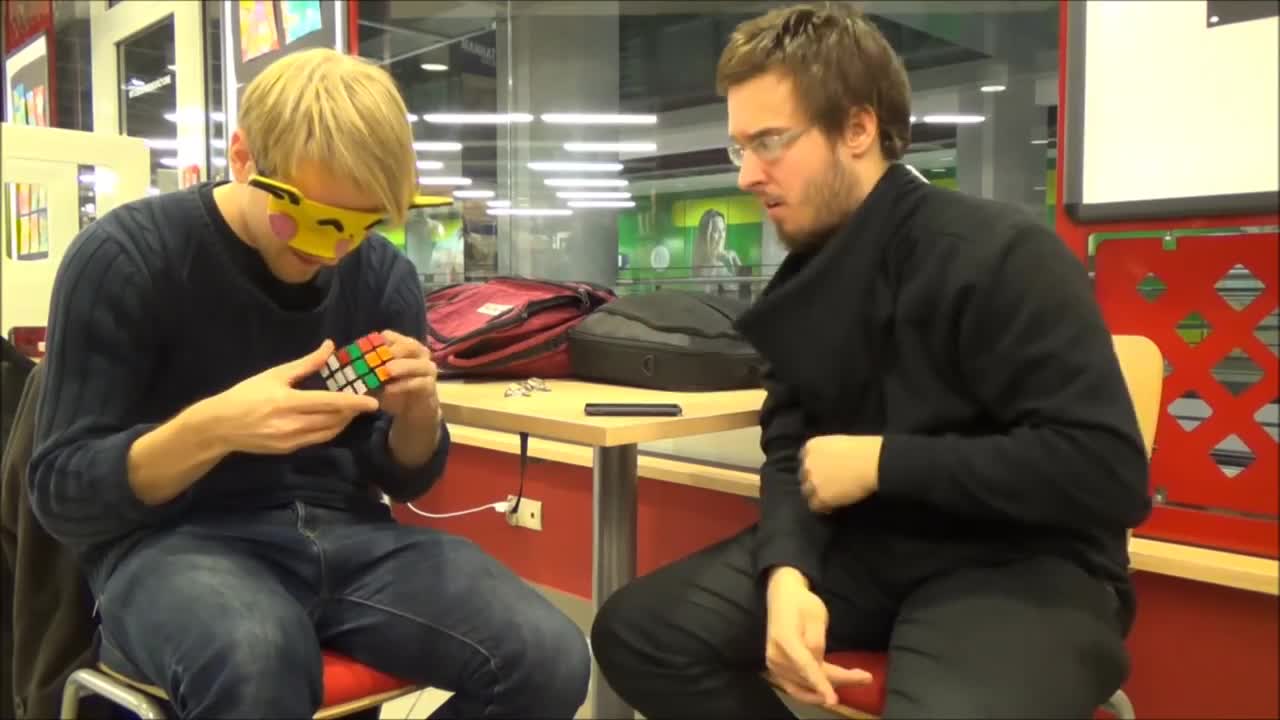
<point x="358" y="368"/>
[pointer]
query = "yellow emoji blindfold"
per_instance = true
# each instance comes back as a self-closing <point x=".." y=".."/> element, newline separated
<point x="320" y="230"/>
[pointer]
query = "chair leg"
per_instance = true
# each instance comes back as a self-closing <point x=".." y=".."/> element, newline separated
<point x="1120" y="706"/>
<point x="91" y="682"/>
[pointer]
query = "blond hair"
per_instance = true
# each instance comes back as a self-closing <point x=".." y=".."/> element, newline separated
<point x="339" y="110"/>
<point x="837" y="58"/>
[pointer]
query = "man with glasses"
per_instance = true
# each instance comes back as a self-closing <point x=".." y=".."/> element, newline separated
<point x="951" y="457"/>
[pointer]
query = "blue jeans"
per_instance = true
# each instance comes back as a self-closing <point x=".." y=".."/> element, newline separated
<point x="228" y="616"/>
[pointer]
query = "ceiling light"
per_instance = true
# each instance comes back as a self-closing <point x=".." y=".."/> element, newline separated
<point x="499" y="203"/>
<point x="434" y="67"/>
<point x="440" y="181"/>
<point x="161" y="143"/>
<point x="914" y="118"/>
<point x="529" y="211"/>
<point x="993" y="88"/>
<point x="585" y="182"/>
<point x="601" y="204"/>
<point x="1213" y="19"/>
<point x="592" y="195"/>
<point x="411" y="117"/>
<point x="954" y="119"/>
<point x="611" y="146"/>
<point x="430" y="165"/>
<point x="437" y="146"/>
<point x="1040" y="142"/>
<point x="557" y="166"/>
<point x="473" y="194"/>
<point x="598" y="119"/>
<point x="477" y="118"/>
<point x="169" y="162"/>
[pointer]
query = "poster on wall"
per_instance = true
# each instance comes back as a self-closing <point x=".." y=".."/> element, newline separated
<point x="683" y="236"/>
<point x="27" y="98"/>
<point x="256" y="33"/>
<point x="27" y="226"/>
<point x="435" y="242"/>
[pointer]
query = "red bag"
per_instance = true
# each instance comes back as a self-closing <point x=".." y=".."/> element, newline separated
<point x="508" y="327"/>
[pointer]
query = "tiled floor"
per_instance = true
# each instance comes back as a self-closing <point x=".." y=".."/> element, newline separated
<point x="421" y="705"/>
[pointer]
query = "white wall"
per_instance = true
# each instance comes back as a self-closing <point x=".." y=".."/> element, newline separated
<point x="51" y="157"/>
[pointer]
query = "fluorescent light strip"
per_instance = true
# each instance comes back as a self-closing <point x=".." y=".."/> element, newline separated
<point x="611" y="146"/>
<point x="601" y="204"/>
<point x="585" y="182"/>
<point x="477" y="118"/>
<point x="430" y="165"/>
<point x="161" y="143"/>
<point x="598" y="119"/>
<point x="956" y="119"/>
<point x="499" y="203"/>
<point x="411" y="117"/>
<point x="529" y="212"/>
<point x="169" y="162"/>
<point x="437" y="146"/>
<point x="434" y="67"/>
<point x="473" y="194"/>
<point x="593" y="195"/>
<point x="439" y="181"/>
<point x="558" y="166"/>
<point x="993" y="88"/>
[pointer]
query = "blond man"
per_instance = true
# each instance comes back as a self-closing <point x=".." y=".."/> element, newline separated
<point x="225" y="503"/>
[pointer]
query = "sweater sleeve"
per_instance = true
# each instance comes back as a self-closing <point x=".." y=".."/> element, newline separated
<point x="100" y="353"/>
<point x="1031" y="347"/>
<point x="789" y="533"/>
<point x="404" y="308"/>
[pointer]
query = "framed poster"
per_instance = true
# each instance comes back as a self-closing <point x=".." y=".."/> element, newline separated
<point x="256" y="33"/>
<point x="1153" y="90"/>
<point x="27" y="228"/>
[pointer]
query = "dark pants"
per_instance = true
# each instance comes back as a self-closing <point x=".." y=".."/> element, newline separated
<point x="1034" y="637"/>
<point x="229" y="617"/>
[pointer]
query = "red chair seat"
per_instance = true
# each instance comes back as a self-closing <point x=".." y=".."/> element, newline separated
<point x="869" y="698"/>
<point x="346" y="680"/>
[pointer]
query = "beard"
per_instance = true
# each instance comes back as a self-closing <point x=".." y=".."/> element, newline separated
<point x="829" y="197"/>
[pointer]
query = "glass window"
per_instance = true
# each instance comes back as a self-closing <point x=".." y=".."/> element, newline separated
<point x="215" y="78"/>
<point x="586" y="141"/>
<point x="148" y="99"/>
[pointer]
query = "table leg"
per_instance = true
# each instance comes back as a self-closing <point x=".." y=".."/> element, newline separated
<point x="614" y="481"/>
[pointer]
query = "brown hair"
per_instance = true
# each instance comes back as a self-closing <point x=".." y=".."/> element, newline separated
<point x="838" y="61"/>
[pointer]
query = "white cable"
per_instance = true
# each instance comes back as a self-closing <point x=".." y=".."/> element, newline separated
<point x="500" y="506"/>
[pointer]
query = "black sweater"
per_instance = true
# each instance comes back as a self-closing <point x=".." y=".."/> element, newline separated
<point x="966" y="334"/>
<point x="158" y="305"/>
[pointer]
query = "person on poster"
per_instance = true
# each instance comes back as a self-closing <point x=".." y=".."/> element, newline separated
<point x="711" y="256"/>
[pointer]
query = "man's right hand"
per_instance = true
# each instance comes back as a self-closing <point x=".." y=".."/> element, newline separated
<point x="796" y="642"/>
<point x="265" y="414"/>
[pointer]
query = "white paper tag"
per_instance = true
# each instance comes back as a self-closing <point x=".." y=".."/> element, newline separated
<point x="493" y="309"/>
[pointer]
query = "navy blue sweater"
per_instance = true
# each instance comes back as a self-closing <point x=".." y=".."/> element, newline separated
<point x="158" y="305"/>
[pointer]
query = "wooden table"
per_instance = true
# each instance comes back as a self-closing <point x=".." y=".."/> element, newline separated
<point x="558" y="415"/>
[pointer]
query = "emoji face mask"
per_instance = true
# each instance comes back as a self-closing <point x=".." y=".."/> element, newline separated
<point x="320" y="230"/>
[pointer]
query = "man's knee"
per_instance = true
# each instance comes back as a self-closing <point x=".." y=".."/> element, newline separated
<point x="619" y="624"/>
<point x="252" y="662"/>
<point x="551" y="661"/>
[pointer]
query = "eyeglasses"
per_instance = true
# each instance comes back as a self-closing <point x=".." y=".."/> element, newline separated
<point x="768" y="147"/>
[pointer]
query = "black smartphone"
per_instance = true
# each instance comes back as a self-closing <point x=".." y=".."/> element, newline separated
<point x="634" y="409"/>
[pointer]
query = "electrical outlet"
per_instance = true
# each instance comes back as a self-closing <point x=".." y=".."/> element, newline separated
<point x="528" y="516"/>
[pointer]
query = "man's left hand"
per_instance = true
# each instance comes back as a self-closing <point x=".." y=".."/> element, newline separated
<point x="839" y="470"/>
<point x="410" y="392"/>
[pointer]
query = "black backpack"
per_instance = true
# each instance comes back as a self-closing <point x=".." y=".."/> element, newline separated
<point x="666" y="340"/>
